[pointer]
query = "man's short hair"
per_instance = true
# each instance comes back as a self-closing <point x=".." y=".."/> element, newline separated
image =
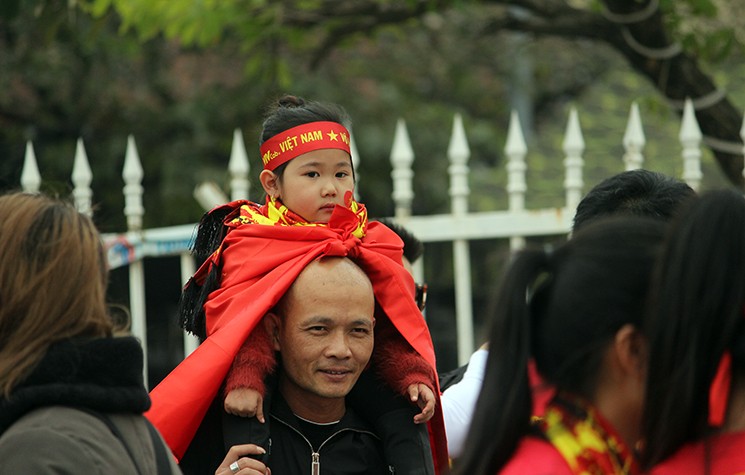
<point x="636" y="193"/>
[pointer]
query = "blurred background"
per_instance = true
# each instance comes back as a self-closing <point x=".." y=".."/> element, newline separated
<point x="181" y="75"/>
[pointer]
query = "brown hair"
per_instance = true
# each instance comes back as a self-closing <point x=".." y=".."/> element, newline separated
<point x="52" y="281"/>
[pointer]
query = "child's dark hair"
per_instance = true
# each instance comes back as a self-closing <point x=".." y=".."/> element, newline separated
<point x="291" y="111"/>
<point x="413" y="247"/>
<point x="563" y="309"/>
<point x="695" y="316"/>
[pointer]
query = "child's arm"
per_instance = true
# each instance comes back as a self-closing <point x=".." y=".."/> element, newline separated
<point x="244" y="384"/>
<point x="404" y="369"/>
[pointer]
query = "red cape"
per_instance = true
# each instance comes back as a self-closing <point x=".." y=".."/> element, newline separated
<point x="259" y="265"/>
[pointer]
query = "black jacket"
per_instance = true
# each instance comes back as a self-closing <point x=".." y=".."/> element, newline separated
<point x="352" y="447"/>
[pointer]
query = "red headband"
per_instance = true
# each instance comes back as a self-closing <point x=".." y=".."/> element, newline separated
<point x="305" y="138"/>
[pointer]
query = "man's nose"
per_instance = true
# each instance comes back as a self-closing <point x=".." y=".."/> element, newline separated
<point x="338" y="346"/>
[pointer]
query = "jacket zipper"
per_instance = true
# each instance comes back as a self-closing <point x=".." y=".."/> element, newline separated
<point x="315" y="465"/>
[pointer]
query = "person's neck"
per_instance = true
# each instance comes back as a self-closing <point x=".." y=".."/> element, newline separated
<point x="312" y="407"/>
<point x="625" y="418"/>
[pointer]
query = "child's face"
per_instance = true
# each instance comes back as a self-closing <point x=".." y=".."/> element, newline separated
<point x="314" y="182"/>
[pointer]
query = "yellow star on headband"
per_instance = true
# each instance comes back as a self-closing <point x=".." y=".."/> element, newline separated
<point x="332" y="135"/>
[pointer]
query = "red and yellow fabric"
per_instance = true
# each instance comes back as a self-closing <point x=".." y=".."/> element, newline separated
<point x="571" y="438"/>
<point x="259" y="263"/>
<point x="586" y="441"/>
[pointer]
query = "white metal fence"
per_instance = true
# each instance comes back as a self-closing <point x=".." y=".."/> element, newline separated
<point x="459" y="226"/>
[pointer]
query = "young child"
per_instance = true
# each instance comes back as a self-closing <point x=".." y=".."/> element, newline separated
<point x="307" y="174"/>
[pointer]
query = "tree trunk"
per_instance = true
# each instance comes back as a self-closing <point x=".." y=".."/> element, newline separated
<point x="677" y="76"/>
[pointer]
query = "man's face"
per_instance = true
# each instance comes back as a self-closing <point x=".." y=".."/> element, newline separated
<point x="325" y="332"/>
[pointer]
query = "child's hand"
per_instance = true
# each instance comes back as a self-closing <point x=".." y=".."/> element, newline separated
<point x="245" y="402"/>
<point x="423" y="396"/>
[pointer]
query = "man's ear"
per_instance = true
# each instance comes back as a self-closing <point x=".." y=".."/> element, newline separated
<point x="630" y="346"/>
<point x="272" y="324"/>
<point x="269" y="181"/>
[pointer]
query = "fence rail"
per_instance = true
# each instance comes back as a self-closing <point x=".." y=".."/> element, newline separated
<point x="459" y="226"/>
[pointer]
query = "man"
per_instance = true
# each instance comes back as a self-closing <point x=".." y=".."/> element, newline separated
<point x="259" y="264"/>
<point x="322" y="330"/>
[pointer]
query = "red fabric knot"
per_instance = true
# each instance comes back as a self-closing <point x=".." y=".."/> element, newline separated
<point x="345" y="247"/>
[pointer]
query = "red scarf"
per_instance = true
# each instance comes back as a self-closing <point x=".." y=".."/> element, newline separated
<point x="259" y="263"/>
<point x="587" y="442"/>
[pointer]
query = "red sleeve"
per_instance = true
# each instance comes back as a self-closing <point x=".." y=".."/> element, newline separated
<point x="397" y="362"/>
<point x="254" y="361"/>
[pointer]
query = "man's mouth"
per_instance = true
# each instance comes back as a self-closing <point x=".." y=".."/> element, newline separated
<point x="336" y="371"/>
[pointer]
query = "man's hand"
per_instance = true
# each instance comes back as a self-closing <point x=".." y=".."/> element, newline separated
<point x="236" y="463"/>
<point x="245" y="402"/>
<point x="423" y="396"/>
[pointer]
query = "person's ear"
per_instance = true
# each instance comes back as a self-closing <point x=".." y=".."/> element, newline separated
<point x="631" y="349"/>
<point x="270" y="182"/>
<point x="273" y="324"/>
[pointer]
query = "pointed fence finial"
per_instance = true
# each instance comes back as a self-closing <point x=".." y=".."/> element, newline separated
<point x="238" y="166"/>
<point x="516" y="149"/>
<point x="82" y="178"/>
<point x="574" y="146"/>
<point x="634" y="140"/>
<point x="690" y="138"/>
<point x="30" y="176"/>
<point x="133" y="191"/>
<point x="402" y="157"/>
<point x="458" y="153"/>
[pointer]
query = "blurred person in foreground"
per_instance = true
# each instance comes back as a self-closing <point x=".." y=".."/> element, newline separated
<point x="71" y="389"/>
<point x="641" y="193"/>
<point x="577" y="312"/>
<point x="694" y="419"/>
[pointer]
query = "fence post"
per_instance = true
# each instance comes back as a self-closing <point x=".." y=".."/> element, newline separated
<point x="574" y="146"/>
<point x="634" y="140"/>
<point x="239" y="167"/>
<point x="458" y="153"/>
<point x="402" y="156"/>
<point x="82" y="178"/>
<point x="133" y="210"/>
<point x="30" y="176"/>
<point x="690" y="138"/>
<point x="355" y="164"/>
<point x="742" y="135"/>
<point x="516" y="150"/>
<point x="187" y="270"/>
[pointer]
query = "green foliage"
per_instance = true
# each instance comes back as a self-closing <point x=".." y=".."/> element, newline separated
<point x="181" y="75"/>
<point x="192" y="22"/>
<point x="708" y="29"/>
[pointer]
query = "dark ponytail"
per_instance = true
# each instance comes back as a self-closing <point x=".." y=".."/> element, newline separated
<point x="504" y="409"/>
